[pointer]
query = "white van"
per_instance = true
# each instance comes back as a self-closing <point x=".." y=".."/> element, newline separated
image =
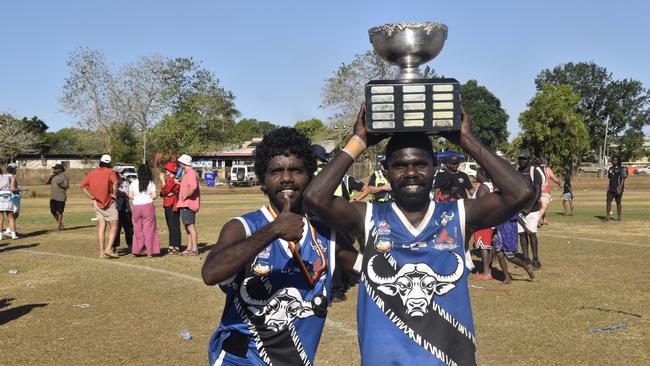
<point x="243" y="175"/>
<point x="469" y="168"/>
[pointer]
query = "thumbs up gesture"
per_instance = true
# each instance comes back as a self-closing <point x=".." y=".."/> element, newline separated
<point x="288" y="225"/>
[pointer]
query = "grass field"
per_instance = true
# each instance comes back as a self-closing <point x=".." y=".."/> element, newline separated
<point x="594" y="275"/>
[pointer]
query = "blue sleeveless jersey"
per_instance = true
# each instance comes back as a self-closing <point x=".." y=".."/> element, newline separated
<point x="275" y="309"/>
<point x="414" y="306"/>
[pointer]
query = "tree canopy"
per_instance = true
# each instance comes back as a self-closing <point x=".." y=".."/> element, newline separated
<point x="625" y="103"/>
<point x="552" y="127"/>
<point x="489" y="120"/>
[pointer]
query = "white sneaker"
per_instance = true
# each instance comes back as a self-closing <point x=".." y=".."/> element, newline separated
<point x="1" y="236"/>
<point x="8" y="231"/>
<point x="13" y="235"/>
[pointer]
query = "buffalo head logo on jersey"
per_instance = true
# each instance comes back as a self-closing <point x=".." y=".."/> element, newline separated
<point x="280" y="309"/>
<point x="446" y="218"/>
<point x="415" y="283"/>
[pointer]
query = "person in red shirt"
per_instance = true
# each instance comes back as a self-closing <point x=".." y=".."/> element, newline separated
<point x="169" y="192"/>
<point x="100" y="185"/>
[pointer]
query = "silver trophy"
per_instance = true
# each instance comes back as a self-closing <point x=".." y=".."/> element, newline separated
<point x="411" y="103"/>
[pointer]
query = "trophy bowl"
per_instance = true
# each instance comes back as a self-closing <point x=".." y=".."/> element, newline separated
<point x="408" y="45"/>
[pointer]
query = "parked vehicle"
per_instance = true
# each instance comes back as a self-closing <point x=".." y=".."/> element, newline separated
<point x="589" y="168"/>
<point x="469" y="168"/>
<point x="243" y="175"/>
<point x="130" y="173"/>
<point x="644" y="170"/>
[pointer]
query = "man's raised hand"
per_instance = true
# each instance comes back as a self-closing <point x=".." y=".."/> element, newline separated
<point x="288" y="225"/>
<point x="360" y="128"/>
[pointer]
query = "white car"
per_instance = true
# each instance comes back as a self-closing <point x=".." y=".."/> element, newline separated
<point x="129" y="171"/>
<point x="468" y="168"/>
<point x="645" y="170"/>
<point x="243" y="175"/>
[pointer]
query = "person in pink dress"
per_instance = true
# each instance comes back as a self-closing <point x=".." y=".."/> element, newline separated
<point x="189" y="201"/>
<point x="145" y="232"/>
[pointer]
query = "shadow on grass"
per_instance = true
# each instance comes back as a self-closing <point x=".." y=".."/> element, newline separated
<point x="22" y="246"/>
<point x="41" y="232"/>
<point x="14" y="313"/>
<point x="204" y="247"/>
<point x="609" y="311"/>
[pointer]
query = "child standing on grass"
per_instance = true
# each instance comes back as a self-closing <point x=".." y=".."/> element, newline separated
<point x="505" y="244"/>
<point x="567" y="196"/>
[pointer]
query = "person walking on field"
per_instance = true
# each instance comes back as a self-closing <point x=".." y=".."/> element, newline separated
<point x="529" y="217"/>
<point x="169" y="192"/>
<point x="6" y="205"/>
<point x="546" y="189"/>
<point x="567" y="196"/>
<point x="189" y="201"/>
<point x="59" y="185"/>
<point x="617" y="175"/>
<point x="100" y="186"/>
<point x="143" y="192"/>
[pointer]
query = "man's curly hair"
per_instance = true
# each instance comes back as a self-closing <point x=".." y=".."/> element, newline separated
<point x="283" y="141"/>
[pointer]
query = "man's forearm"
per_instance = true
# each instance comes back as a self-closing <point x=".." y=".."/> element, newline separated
<point x="501" y="172"/>
<point x="225" y="260"/>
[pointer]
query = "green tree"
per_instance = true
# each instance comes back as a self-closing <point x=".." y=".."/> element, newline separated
<point x="125" y="145"/>
<point x="489" y="120"/>
<point x="311" y="127"/>
<point x="16" y="138"/>
<point x="552" y="127"/>
<point x="74" y="141"/>
<point x="39" y="128"/>
<point x="630" y="146"/>
<point x="625" y="103"/>
<point x="248" y="128"/>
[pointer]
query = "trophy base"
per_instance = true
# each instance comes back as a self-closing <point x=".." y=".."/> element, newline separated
<point x="417" y="105"/>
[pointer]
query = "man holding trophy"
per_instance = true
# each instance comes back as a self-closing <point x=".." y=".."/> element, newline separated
<point x="413" y="305"/>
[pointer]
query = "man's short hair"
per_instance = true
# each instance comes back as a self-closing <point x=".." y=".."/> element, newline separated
<point x="405" y="140"/>
<point x="283" y="141"/>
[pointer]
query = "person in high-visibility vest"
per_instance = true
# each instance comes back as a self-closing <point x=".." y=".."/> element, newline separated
<point x="341" y="280"/>
<point x="378" y="186"/>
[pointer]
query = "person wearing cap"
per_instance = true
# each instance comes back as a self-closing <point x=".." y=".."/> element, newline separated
<point x="413" y="302"/>
<point x="124" y="212"/>
<point x="189" y="201"/>
<point x="457" y="181"/>
<point x="100" y="186"/>
<point x="529" y="217"/>
<point x="169" y="192"/>
<point x="59" y="185"/>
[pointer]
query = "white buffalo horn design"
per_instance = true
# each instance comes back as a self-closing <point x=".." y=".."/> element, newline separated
<point x="416" y="284"/>
<point x="280" y="309"/>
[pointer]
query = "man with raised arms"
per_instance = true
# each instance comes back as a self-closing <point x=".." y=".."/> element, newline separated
<point x="275" y="265"/>
<point x="413" y="306"/>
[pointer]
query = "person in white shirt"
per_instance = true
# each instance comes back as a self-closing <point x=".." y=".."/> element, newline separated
<point x="143" y="192"/>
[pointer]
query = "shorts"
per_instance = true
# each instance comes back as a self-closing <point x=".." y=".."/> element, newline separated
<point x="57" y="207"/>
<point x="6" y="202"/>
<point x="188" y="216"/>
<point x="567" y="196"/>
<point x="483" y="239"/>
<point x="613" y="195"/>
<point x="531" y="221"/>
<point x="107" y="214"/>
<point x="506" y="239"/>
<point x="546" y="197"/>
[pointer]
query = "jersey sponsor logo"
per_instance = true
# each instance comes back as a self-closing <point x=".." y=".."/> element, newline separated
<point x="279" y="309"/>
<point x="383" y="245"/>
<point x="446" y="218"/>
<point x="383" y="228"/>
<point x="415" y="283"/>
<point x="444" y="238"/>
<point x="445" y="246"/>
<point x="415" y="246"/>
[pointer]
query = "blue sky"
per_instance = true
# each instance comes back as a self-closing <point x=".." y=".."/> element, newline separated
<point x="275" y="55"/>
